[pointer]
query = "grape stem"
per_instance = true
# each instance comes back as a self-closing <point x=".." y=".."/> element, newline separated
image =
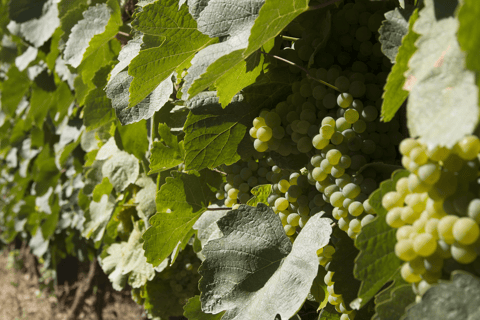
<point x="124" y="34"/>
<point x="323" y="5"/>
<point x="303" y="69"/>
<point x="218" y="209"/>
<point x="289" y="38"/>
<point x="216" y="170"/>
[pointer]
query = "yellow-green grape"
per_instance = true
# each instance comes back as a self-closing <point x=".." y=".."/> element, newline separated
<point x="402" y="186"/>
<point x="445" y="228"/>
<point x="327" y="131"/>
<point x="424" y="244"/>
<point x="283" y="185"/>
<point x="429" y="173"/>
<point x="319" y="142"/>
<point x="281" y="204"/>
<point x="418" y="155"/>
<point x="465" y="230"/>
<point x="289" y="229"/>
<point x="258" y="122"/>
<point x="260" y="146"/>
<point x="339" y="213"/>
<point x="348" y="316"/>
<point x="431" y="227"/>
<point x="328" y="278"/>
<point x="343" y="223"/>
<point x="392" y="199"/>
<point x="351" y="115"/>
<point x="235" y="206"/>
<point x="331" y="291"/>
<point x="253" y="132"/>
<point x="355" y="208"/>
<point x="453" y="163"/>
<point x="434" y="263"/>
<point x="435" y="209"/>
<point x="264" y="133"/>
<point x="463" y="253"/>
<point x="303" y="221"/>
<point x="474" y="210"/>
<point x="416" y="185"/>
<point x="355" y="225"/>
<point x="293" y="219"/>
<point x="318" y="174"/>
<point x="416" y="201"/>
<point x="409" y="215"/>
<point x="367" y="219"/>
<point x="333" y="156"/>
<point x="328" y="251"/>
<point x="336" y="199"/>
<point x="404" y="250"/>
<point x="351" y="191"/>
<point x="407" y="145"/>
<point x="404" y="232"/>
<point x="438" y="153"/>
<point x="334" y="300"/>
<point x="468" y="148"/>
<point x="408" y="274"/>
<point x="230" y="202"/>
<point x="342" y="308"/>
<point x="359" y="126"/>
<point x="422" y="287"/>
<point x="344" y="100"/>
<point x="443" y="249"/>
<point x="233" y="193"/>
<point x="419" y="225"/>
<point x="283" y="216"/>
<point x="394" y="218"/>
<point x="328" y="120"/>
<point x="368" y="208"/>
<point x="417" y="265"/>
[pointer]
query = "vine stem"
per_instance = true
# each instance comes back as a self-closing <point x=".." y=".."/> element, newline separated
<point x="303" y="69"/>
<point x="218" y="209"/>
<point x="323" y="5"/>
<point x="216" y="170"/>
<point x="124" y="34"/>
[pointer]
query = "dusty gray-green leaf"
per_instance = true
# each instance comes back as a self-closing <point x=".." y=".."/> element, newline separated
<point x="121" y="169"/>
<point x="393" y="30"/>
<point x="255" y="261"/>
<point x="97" y="218"/>
<point x="443" y="101"/>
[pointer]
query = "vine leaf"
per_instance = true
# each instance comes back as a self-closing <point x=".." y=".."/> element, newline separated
<point x="126" y="260"/>
<point x="99" y="25"/>
<point x="97" y="218"/>
<point x="443" y="101"/>
<point x="469" y="34"/>
<point x="255" y="260"/>
<point x="455" y="299"/>
<point x="392" y="302"/>
<point x="37" y="30"/>
<point x="121" y="169"/>
<point x="393" y="30"/>
<point x="377" y="263"/>
<point x="98" y="110"/>
<point x="272" y="18"/>
<point x="394" y="94"/>
<point x="260" y="195"/>
<point x="180" y="202"/>
<point x="193" y="311"/>
<point x="206" y="226"/>
<point x="167" y="153"/>
<point x="170" y="41"/>
<point x="343" y="266"/>
<point x="212" y="134"/>
<point x="134" y="138"/>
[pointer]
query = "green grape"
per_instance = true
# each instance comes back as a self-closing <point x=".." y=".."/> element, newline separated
<point x="445" y="228"/>
<point x="283" y="185"/>
<point x="409" y="215"/>
<point x="417" y="265"/>
<point x="416" y="185"/>
<point x="404" y="249"/>
<point x="337" y="138"/>
<point x="463" y="253"/>
<point x="233" y="193"/>
<point x="318" y="174"/>
<point x="319" y="92"/>
<point x="319" y="142"/>
<point x="357" y="89"/>
<point x="336" y="199"/>
<point x="392" y="199"/>
<point x="424" y="244"/>
<point x="308" y="115"/>
<point x="293" y="219"/>
<point x="258" y="122"/>
<point x="244" y="187"/>
<point x="230" y="202"/>
<point x="465" y="231"/>
<point x="329" y="101"/>
<point x="433" y="264"/>
<point x="333" y="156"/>
<point x="408" y="274"/>
<point x="252" y="182"/>
<point x="418" y="155"/>
<point x="260" y="146"/>
<point x="294" y="190"/>
<point x="367" y="219"/>
<point x="351" y="115"/>
<point x="281" y="204"/>
<point x="345" y="161"/>
<point x="416" y="201"/>
<point x="220" y="195"/>
<point x="292" y="116"/>
<point x="468" y="148"/>
<point x="283" y="216"/>
<point x="402" y="186"/>
<point x="355" y="208"/>
<point x="359" y="126"/>
<point x="328" y="278"/>
<point x="394" y="218"/>
<point x="278" y="132"/>
<point x="306" y="90"/>
<point x="404" y="232"/>
<point x="369" y="113"/>
<point x="245" y="173"/>
<point x="253" y="132"/>
<point x="243" y="197"/>
<point x="366" y="48"/>
<point x="328" y="120"/>
<point x="272" y="119"/>
<point x="408" y="145"/>
<point x="351" y="191"/>
<point x="327" y="131"/>
<point x="304" y="145"/>
<point x="344" y="100"/>
<point x="342" y="83"/>
<point x="474" y="210"/>
<point x="289" y="230"/>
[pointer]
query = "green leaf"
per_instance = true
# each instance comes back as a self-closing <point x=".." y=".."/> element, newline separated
<point x="326" y="315"/>
<point x="393" y="29"/>
<point x="255" y="261"/>
<point x="121" y="169"/>
<point x="206" y="226"/>
<point x="212" y="134"/>
<point x="98" y="110"/>
<point x="118" y="91"/>
<point x="292" y="162"/>
<point x="394" y="94"/>
<point x="105" y="187"/>
<point x="260" y="195"/>
<point x="13" y="89"/>
<point x="193" y="311"/>
<point x="25" y="58"/>
<point x="377" y="263"/>
<point x="39" y="29"/>
<point x="171" y="40"/>
<point x="24" y="10"/>
<point x="167" y="153"/>
<point x="392" y="302"/>
<point x="443" y="102"/>
<point x="145" y="198"/>
<point x="456" y="299"/>
<point x="97" y="218"/>
<point x="126" y="260"/>
<point x="99" y="26"/>
<point x="319" y="289"/>
<point x="180" y="202"/>
<point x="134" y="138"/>
<point x="343" y="266"/>
<point x="42" y="102"/>
<point x="469" y="34"/>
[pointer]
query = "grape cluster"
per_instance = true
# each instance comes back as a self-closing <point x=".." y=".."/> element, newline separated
<point x="336" y="299"/>
<point x="436" y="209"/>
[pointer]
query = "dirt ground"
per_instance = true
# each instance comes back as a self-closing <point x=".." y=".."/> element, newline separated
<point x="21" y="297"/>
